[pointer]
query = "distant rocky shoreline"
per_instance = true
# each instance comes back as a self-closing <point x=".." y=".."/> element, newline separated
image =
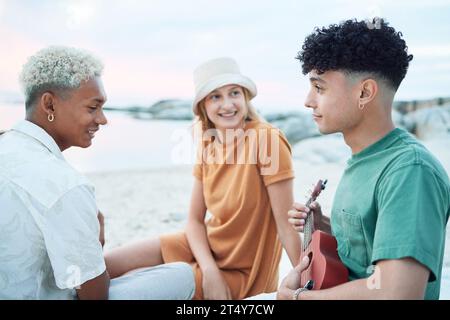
<point x="427" y="119"/>
<point x="424" y="118"/>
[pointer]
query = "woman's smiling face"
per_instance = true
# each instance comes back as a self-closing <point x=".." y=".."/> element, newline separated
<point x="226" y="107"/>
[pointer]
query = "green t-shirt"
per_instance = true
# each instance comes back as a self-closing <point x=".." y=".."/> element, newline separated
<point x="392" y="202"/>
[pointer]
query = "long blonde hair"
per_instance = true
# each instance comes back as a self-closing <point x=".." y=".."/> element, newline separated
<point x="207" y="124"/>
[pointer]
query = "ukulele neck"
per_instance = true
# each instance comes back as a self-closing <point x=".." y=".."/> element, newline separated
<point x="309" y="223"/>
<point x="309" y="226"/>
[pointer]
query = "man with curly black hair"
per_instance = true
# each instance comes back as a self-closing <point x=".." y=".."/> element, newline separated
<point x="393" y="202"/>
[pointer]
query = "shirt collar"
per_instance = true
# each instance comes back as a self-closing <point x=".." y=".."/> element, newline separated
<point x="381" y="144"/>
<point x="30" y="129"/>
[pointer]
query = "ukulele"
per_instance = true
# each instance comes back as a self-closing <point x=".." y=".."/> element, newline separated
<point x="325" y="268"/>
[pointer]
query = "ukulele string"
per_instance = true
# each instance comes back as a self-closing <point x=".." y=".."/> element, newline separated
<point x="309" y="225"/>
<point x="306" y="237"/>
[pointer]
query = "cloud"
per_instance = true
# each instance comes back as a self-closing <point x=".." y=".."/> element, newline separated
<point x="16" y="48"/>
<point x="380" y="4"/>
<point x="79" y="12"/>
<point x="419" y="4"/>
<point x="430" y="51"/>
<point x="144" y="80"/>
<point x="151" y="47"/>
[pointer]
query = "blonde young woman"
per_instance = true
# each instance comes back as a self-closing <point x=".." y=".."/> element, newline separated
<point x="236" y="252"/>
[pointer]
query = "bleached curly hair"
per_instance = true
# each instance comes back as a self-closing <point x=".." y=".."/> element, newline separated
<point x="57" y="68"/>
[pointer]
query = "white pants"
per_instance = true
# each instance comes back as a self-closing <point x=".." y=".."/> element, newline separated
<point x="171" y="281"/>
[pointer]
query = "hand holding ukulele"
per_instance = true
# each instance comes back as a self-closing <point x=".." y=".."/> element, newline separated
<point x="325" y="267"/>
<point x="299" y="213"/>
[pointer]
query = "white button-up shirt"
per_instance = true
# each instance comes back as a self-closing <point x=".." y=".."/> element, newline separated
<point x="49" y="231"/>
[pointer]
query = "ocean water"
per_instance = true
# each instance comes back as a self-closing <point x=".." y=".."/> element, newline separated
<point x="124" y="143"/>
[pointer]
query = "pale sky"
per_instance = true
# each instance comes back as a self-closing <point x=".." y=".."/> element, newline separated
<point x="150" y="48"/>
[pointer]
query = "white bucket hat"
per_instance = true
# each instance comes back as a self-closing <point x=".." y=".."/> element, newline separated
<point x="217" y="73"/>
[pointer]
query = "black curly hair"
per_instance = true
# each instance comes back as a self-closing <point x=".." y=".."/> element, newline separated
<point x="357" y="47"/>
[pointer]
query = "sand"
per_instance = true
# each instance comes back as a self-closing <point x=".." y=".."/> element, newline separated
<point x="147" y="203"/>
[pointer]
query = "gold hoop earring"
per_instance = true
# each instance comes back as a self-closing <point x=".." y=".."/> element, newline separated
<point x="361" y="107"/>
<point x="51" y="117"/>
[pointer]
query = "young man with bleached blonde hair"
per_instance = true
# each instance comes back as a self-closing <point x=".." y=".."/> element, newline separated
<point x="52" y="232"/>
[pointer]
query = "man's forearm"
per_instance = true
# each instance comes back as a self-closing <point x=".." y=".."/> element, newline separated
<point x="392" y="279"/>
<point x="95" y="289"/>
<point x="353" y="290"/>
<point x="361" y="289"/>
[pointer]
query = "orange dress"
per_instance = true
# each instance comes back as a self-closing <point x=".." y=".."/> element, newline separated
<point x="242" y="233"/>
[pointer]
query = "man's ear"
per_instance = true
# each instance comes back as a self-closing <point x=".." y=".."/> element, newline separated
<point x="368" y="89"/>
<point x="47" y="103"/>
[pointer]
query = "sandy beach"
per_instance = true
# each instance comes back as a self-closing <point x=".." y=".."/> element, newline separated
<point x="146" y="203"/>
